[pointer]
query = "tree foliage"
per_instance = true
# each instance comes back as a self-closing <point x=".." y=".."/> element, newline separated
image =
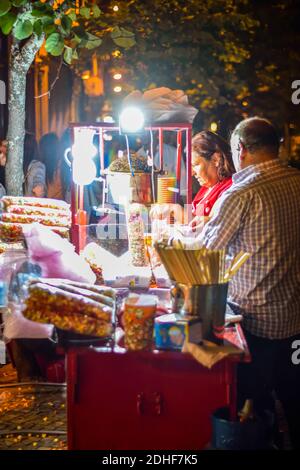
<point x="196" y="46"/>
<point x="66" y="28"/>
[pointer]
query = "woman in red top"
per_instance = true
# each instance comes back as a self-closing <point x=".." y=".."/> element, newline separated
<point x="213" y="167"/>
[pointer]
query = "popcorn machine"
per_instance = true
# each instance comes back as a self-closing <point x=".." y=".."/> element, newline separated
<point x="84" y="152"/>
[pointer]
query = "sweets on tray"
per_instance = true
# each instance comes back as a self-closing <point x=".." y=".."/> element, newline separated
<point x="77" y="323"/>
<point x="28" y="219"/>
<point x="35" y="202"/>
<point x="10" y="232"/>
<point x="66" y="302"/>
<point x="67" y="310"/>
<point x="13" y="232"/>
<point x="33" y="210"/>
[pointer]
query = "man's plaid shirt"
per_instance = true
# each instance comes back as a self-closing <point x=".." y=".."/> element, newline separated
<point x="260" y="214"/>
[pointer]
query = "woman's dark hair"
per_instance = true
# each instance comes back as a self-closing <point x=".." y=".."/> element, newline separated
<point x="257" y="133"/>
<point x="49" y="153"/>
<point x="30" y="151"/>
<point x="64" y="143"/>
<point x="207" y="143"/>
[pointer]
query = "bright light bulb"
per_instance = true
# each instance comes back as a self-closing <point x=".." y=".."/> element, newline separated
<point x="84" y="171"/>
<point x="116" y="8"/>
<point x="83" y="144"/>
<point x="131" y="119"/>
<point x="117" y="89"/>
<point x="214" y="127"/>
<point x="117" y="76"/>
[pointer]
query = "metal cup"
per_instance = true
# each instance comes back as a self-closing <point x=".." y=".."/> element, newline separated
<point x="207" y="301"/>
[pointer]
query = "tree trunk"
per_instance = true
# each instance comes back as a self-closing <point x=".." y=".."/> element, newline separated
<point x="16" y="131"/>
<point x="20" y="60"/>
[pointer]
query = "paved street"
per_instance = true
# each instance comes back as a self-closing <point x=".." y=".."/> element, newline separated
<point x="32" y="416"/>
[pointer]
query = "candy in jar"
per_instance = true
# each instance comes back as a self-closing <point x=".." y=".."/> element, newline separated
<point x="135" y="227"/>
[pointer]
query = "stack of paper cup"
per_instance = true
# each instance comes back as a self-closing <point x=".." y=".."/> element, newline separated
<point x="166" y="190"/>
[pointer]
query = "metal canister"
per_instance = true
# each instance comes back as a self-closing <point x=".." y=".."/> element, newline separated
<point x="207" y="301"/>
<point x="124" y="186"/>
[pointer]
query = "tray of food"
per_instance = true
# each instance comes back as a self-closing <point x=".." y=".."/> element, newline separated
<point x="77" y="308"/>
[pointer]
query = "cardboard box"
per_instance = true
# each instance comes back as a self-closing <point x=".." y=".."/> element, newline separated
<point x="171" y="330"/>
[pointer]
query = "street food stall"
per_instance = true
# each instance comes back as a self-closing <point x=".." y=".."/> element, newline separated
<point x="151" y="351"/>
<point x="141" y="392"/>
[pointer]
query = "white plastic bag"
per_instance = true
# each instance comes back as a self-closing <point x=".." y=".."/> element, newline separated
<point x="56" y="256"/>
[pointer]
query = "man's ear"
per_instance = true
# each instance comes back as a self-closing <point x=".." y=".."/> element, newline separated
<point x="243" y="151"/>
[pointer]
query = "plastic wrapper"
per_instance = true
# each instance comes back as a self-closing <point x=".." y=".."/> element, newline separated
<point x="135" y="228"/>
<point x="163" y="105"/>
<point x="67" y="311"/>
<point x="103" y="290"/>
<point x="35" y="202"/>
<point x="56" y="256"/>
<point x="88" y="291"/>
<point x="29" y="219"/>
<point x="17" y="326"/>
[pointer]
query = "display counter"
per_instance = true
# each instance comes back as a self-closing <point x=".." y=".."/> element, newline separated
<point x="122" y="400"/>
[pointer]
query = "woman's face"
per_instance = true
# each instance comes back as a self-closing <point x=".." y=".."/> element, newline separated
<point x="206" y="172"/>
<point x="3" y="152"/>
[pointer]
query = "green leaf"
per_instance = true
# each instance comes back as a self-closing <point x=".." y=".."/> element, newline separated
<point x="38" y="27"/>
<point x="7" y="22"/>
<point x="5" y="6"/>
<point x="49" y="29"/>
<point x="85" y="12"/>
<point x="75" y="55"/>
<point x="55" y="44"/>
<point x="23" y="29"/>
<point x="80" y="33"/>
<point x="92" y="41"/>
<point x="43" y="7"/>
<point x="72" y="15"/>
<point x="41" y="14"/>
<point x="66" y="24"/>
<point x="96" y="11"/>
<point x="122" y="37"/>
<point x="18" y="3"/>
<point x="68" y="55"/>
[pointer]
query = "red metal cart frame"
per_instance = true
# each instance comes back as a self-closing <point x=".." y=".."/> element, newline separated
<point x="77" y="192"/>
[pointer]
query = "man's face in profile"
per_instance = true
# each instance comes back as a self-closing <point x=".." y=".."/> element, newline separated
<point x="236" y="150"/>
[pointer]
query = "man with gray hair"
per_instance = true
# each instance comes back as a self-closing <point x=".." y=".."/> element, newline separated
<point x="260" y="214"/>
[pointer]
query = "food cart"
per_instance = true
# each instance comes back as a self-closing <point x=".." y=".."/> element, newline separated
<point x="119" y="398"/>
<point x="157" y="399"/>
